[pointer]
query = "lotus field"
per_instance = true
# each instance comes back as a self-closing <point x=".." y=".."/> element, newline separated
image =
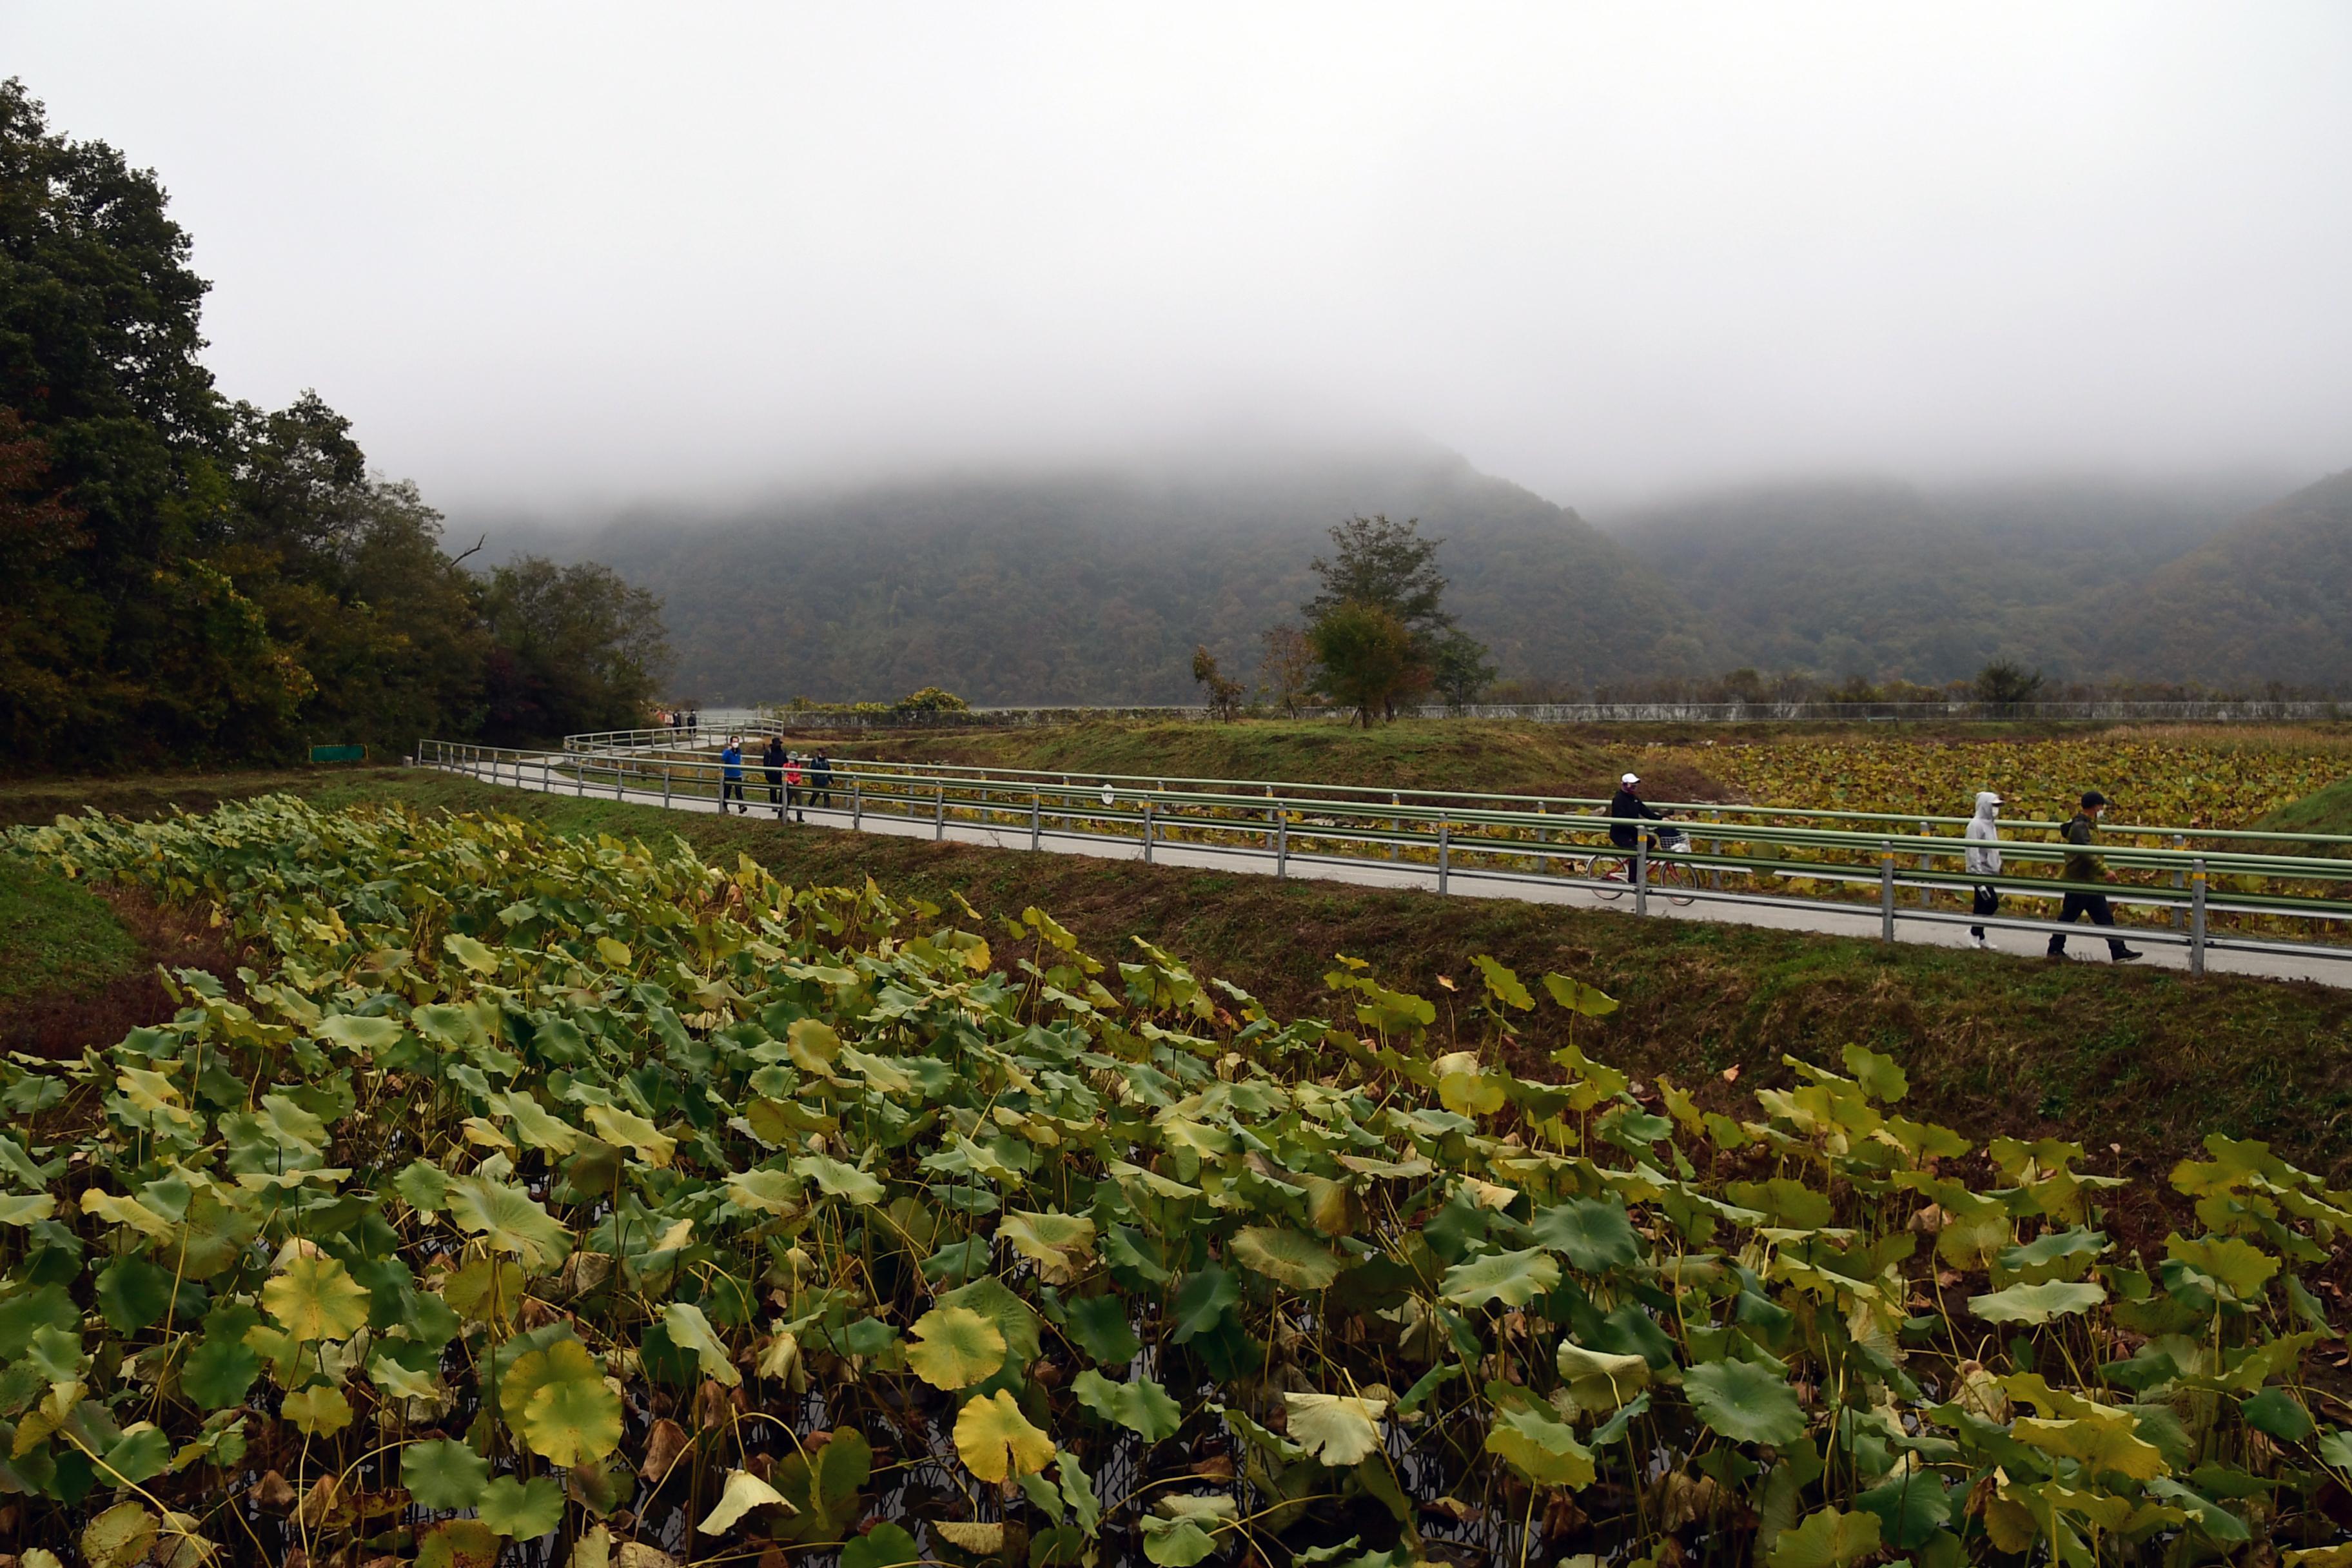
<point x="539" y="1199"/>
<point x="2174" y="777"/>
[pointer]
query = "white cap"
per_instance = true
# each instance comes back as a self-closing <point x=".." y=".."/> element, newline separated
<point x="1630" y="779"/>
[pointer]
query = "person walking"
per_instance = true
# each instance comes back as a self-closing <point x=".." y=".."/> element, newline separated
<point x="820" y="779"/>
<point x="793" y="795"/>
<point x="2082" y="867"/>
<point x="731" y="778"/>
<point x="1984" y="829"/>
<point x="772" y="760"/>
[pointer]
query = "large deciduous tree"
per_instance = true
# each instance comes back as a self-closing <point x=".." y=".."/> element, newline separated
<point x="1368" y="657"/>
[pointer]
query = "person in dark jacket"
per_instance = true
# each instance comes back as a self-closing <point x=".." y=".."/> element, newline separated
<point x="772" y="761"/>
<point x="1629" y="810"/>
<point x="2084" y="866"/>
<point x="820" y="779"/>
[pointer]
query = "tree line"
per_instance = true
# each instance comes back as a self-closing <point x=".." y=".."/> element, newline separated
<point x="196" y="579"/>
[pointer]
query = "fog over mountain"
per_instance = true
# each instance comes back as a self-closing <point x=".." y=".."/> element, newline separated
<point x="554" y="258"/>
<point x="1092" y="585"/>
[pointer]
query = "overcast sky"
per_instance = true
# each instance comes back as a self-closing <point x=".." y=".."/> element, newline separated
<point x="549" y="256"/>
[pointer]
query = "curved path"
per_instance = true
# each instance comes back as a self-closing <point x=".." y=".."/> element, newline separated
<point x="1913" y="924"/>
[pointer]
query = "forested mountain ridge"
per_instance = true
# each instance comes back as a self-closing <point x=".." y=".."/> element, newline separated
<point x="1094" y="587"/>
<point x="1883" y="579"/>
<point x="2271" y="593"/>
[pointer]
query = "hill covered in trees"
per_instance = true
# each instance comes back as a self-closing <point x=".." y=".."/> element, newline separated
<point x="1094" y="586"/>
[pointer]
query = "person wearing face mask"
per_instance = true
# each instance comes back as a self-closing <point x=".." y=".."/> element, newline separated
<point x="1983" y="858"/>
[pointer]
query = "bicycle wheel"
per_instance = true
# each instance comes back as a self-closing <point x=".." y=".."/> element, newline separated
<point x="1678" y="877"/>
<point x="1609" y="868"/>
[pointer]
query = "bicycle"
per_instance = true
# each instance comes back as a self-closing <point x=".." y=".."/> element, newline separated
<point x="1666" y="876"/>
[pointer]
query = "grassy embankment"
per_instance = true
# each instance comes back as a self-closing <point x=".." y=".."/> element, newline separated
<point x="2146" y="1059"/>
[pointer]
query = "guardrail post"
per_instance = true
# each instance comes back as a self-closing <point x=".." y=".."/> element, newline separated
<point x="1147" y="833"/>
<point x="665" y="786"/>
<point x="856" y="806"/>
<point x="1396" y="824"/>
<point x="1715" y="847"/>
<point x="1886" y="893"/>
<point x="546" y="781"/>
<point x="1037" y="816"/>
<point x="1445" y="847"/>
<point x="2197" y="918"/>
<point x="939" y="813"/>
<point x="2178" y="880"/>
<point x="620" y="779"/>
<point x="1282" y="844"/>
<point x="580" y="780"/>
<point x="1926" y="863"/>
<point x="1642" y="874"/>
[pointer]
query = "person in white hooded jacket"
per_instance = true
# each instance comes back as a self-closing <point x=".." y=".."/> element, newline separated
<point x="1984" y="858"/>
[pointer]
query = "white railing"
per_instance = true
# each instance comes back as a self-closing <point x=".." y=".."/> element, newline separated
<point x="2173" y="884"/>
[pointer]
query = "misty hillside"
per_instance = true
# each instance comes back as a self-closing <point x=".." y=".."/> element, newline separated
<point x="1883" y="579"/>
<point x="2270" y="595"/>
<point x="1094" y="587"/>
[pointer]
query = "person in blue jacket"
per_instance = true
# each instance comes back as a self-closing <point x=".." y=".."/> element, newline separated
<point x="731" y="786"/>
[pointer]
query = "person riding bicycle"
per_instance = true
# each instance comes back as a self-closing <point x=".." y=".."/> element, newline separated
<point x="1627" y="809"/>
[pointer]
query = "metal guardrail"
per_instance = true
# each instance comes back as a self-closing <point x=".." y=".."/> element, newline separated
<point x="1729" y="855"/>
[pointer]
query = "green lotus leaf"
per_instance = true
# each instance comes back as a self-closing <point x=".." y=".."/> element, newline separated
<point x="1289" y="1256"/>
<point x="1878" y="1074"/>
<point x="2279" y="1413"/>
<point x="627" y="1129"/>
<point x="510" y="1219"/>
<point x="556" y="1400"/>
<point x="1142" y="1406"/>
<point x="1502" y="985"/>
<point x="470" y="954"/>
<point x="886" y="1545"/>
<point x="2037" y="1304"/>
<point x="2243" y="1267"/>
<point x="1827" y="1539"/>
<point x="1513" y="1279"/>
<point x="444" y="1474"/>
<point x="1544" y="1450"/>
<point x="837" y="1180"/>
<point x="1339" y="1430"/>
<point x="1577" y="997"/>
<point x="23" y="1209"/>
<point x="1598" y="1381"/>
<point x="1745" y="1403"/>
<point x="1098" y="1325"/>
<point x="1911" y="1506"/>
<point x="424" y="1186"/>
<point x="1593" y="1234"/>
<point x="217" y="1373"/>
<point x="1060" y="1245"/>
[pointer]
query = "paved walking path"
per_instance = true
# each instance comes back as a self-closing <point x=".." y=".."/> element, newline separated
<point x="1942" y="926"/>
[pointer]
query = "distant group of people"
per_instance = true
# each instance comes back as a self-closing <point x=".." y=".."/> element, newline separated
<point x="677" y="719"/>
<point x="2083" y="869"/>
<point x="795" y="780"/>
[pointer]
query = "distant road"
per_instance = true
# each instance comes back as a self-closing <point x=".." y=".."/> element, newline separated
<point x="1828" y="919"/>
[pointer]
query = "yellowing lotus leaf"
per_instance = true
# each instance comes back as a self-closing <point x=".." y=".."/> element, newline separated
<point x="996" y="1441"/>
<point x="744" y="1491"/>
<point x="1338" y="1429"/>
<point x="954" y="1347"/>
<point x="315" y="1298"/>
<point x="1289" y="1256"/>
